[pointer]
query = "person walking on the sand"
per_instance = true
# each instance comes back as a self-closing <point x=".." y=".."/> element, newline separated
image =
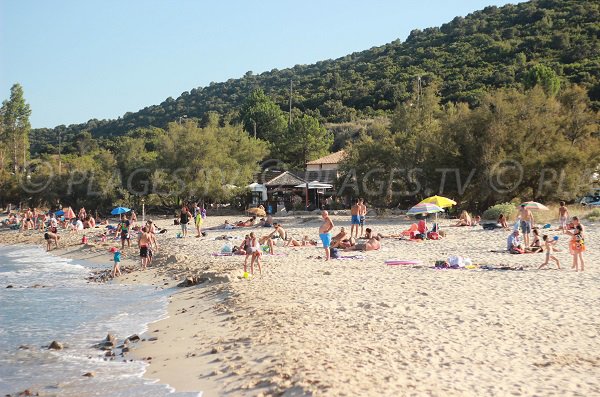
<point x="355" y="219"/>
<point x="325" y="232"/>
<point x="563" y="216"/>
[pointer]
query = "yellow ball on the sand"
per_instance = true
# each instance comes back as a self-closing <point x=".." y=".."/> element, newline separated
<point x="246" y="275"/>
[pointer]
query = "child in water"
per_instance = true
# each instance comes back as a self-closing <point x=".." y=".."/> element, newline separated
<point x="117" y="260"/>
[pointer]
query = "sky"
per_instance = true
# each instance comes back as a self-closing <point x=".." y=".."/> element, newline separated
<point x="79" y="60"/>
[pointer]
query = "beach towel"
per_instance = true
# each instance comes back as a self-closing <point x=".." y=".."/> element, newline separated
<point x="222" y="254"/>
<point x="347" y="257"/>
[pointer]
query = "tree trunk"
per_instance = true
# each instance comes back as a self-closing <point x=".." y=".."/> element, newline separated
<point x="15" y="161"/>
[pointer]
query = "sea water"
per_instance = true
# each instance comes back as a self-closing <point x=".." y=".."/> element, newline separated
<point x="51" y="300"/>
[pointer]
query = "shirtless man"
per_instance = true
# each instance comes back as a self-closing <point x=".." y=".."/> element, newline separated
<point x="362" y="212"/>
<point x="325" y="232"/>
<point x="355" y="220"/>
<point x="526" y="223"/>
<point x="144" y="243"/>
<point x="563" y="216"/>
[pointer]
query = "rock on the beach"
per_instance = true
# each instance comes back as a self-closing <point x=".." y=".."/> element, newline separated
<point x="9" y="286"/>
<point x="110" y="338"/>
<point x="133" y="338"/>
<point x="26" y="392"/>
<point x="90" y="374"/>
<point x="216" y="349"/>
<point x="56" y="345"/>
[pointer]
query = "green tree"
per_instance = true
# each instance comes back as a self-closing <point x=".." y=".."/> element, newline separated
<point x="262" y="118"/>
<point x="15" y="128"/>
<point x="198" y="162"/>
<point x="305" y="140"/>
<point x="545" y="77"/>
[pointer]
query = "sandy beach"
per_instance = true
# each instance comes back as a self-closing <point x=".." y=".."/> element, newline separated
<point x="359" y="327"/>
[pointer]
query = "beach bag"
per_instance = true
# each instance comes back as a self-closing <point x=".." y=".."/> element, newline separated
<point x="227" y="249"/>
<point x="334" y="253"/>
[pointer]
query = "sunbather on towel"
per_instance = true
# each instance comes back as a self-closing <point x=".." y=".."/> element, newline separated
<point x="373" y="244"/>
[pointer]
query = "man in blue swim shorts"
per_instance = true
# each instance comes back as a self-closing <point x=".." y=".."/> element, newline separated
<point x="325" y="233"/>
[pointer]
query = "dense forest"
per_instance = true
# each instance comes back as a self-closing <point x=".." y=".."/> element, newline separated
<point x="487" y="49"/>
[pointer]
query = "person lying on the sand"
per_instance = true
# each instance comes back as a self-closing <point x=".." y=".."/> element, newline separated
<point x="345" y="243"/>
<point x="249" y="222"/>
<point x="305" y="242"/>
<point x="373" y="244"/>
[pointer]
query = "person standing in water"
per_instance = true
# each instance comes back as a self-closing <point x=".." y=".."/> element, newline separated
<point x="325" y="232"/>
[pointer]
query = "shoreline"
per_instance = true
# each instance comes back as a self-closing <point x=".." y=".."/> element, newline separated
<point x="352" y="326"/>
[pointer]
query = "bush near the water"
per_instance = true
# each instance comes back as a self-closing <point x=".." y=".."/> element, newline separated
<point x="494" y="211"/>
<point x="593" y="215"/>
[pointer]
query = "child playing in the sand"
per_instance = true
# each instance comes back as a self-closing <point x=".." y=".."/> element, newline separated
<point x="549" y="248"/>
<point x="117" y="259"/>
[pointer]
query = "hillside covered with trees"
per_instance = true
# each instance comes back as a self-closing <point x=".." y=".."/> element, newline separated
<point x="491" y="48"/>
<point x="498" y="106"/>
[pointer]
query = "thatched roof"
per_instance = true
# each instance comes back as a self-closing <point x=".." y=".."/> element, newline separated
<point x="285" y="179"/>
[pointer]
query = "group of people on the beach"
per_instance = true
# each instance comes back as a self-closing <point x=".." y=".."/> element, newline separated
<point x="525" y="227"/>
<point x="197" y="214"/>
<point x="525" y="237"/>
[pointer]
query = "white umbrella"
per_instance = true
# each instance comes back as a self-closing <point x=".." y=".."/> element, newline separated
<point x="315" y="185"/>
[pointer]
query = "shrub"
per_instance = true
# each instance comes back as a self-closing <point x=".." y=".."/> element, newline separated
<point x="593" y="215"/>
<point x="494" y="211"/>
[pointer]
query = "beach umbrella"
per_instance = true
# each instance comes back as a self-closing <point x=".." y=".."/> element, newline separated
<point x="532" y="205"/>
<point x="119" y="211"/>
<point x="69" y="214"/>
<point x="424" y="208"/>
<point x="442" y="202"/>
<point x="257" y="211"/>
